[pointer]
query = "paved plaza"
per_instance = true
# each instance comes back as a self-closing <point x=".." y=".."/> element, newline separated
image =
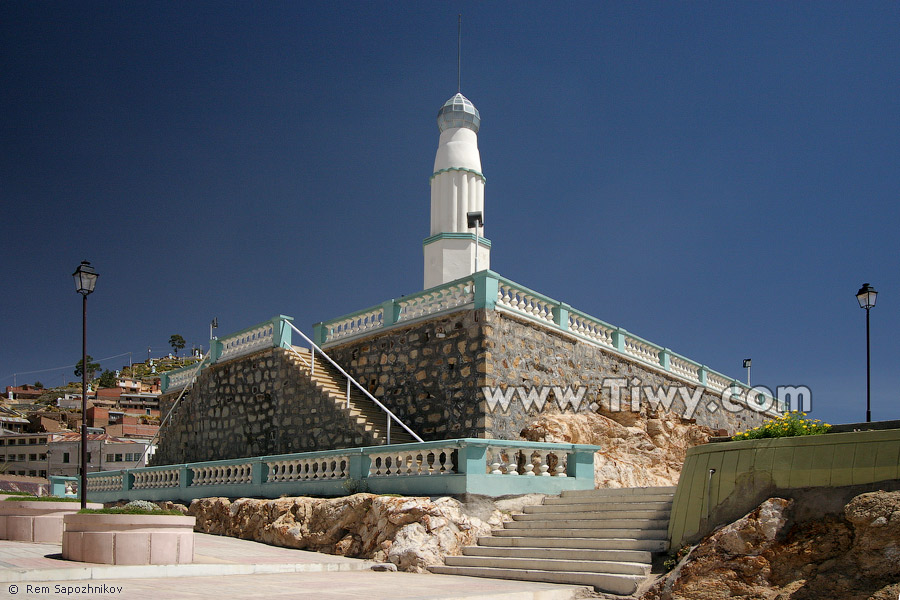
<point x="233" y="568"/>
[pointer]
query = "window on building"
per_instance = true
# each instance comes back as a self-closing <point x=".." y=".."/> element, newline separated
<point x="32" y="473"/>
<point x="65" y="457"/>
<point x="89" y="459"/>
<point x="22" y="457"/>
<point x="2" y="442"/>
<point x="42" y="457"/>
<point x="32" y="441"/>
<point x="21" y="441"/>
<point x="32" y="457"/>
<point x="118" y="458"/>
<point x="109" y="458"/>
<point x="44" y="474"/>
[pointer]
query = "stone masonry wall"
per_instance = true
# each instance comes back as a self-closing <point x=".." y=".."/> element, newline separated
<point x="521" y="353"/>
<point x="429" y="374"/>
<point x="257" y="405"/>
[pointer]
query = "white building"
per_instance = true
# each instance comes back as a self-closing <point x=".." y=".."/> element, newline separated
<point x="457" y="189"/>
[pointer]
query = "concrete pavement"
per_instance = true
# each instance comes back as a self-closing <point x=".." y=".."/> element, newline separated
<point x="233" y="568"/>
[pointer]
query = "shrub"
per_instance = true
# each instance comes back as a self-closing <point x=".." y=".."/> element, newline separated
<point x="790" y="424"/>
<point x="40" y="499"/>
<point x="142" y="505"/>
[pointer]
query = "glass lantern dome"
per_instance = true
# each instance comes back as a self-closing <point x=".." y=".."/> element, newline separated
<point x="458" y="111"/>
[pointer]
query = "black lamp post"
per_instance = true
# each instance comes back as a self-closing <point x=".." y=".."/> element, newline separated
<point x="85" y="280"/>
<point x="866" y="297"/>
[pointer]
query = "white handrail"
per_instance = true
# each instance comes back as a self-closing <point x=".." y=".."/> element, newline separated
<point x="314" y="347"/>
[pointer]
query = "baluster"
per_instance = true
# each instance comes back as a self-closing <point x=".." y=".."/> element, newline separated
<point x="512" y="469"/>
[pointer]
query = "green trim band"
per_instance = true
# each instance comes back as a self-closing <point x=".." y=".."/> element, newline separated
<point x="482" y="241"/>
<point x="472" y="171"/>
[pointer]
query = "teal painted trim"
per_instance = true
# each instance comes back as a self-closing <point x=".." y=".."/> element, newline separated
<point x="58" y="485"/>
<point x="320" y="333"/>
<point x="702" y="374"/>
<point x="391" y="312"/>
<point x="561" y="315"/>
<point x="470" y="476"/>
<point x="619" y="339"/>
<point x="486" y="289"/>
<point x="460" y="169"/>
<point x="282" y="332"/>
<point x="215" y="350"/>
<point x="482" y="241"/>
<point x="664" y="359"/>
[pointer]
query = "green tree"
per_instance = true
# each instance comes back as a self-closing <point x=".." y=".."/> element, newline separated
<point x="107" y="379"/>
<point x="177" y="342"/>
<point x="92" y="368"/>
<point x="38" y="385"/>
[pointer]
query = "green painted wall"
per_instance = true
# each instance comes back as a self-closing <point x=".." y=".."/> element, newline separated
<point x="749" y="471"/>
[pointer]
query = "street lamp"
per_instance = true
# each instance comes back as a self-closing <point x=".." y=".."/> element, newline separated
<point x="866" y="297"/>
<point x="85" y="280"/>
<point x="475" y="219"/>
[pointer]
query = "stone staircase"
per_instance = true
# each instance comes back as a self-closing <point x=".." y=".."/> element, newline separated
<point x="365" y="413"/>
<point x="604" y="538"/>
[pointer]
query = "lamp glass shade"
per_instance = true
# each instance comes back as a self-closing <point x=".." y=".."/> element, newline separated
<point x="866" y="296"/>
<point x="475" y="219"/>
<point x="85" y="278"/>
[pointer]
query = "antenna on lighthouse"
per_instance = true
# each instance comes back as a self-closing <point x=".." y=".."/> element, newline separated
<point x="458" y="45"/>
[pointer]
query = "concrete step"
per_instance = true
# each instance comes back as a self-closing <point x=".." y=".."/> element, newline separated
<point x="521" y="541"/>
<point x="588" y="507"/>
<point x="544" y="564"/>
<point x="614" y="583"/>
<point x="623" y="501"/>
<point x="621" y="492"/>
<point x="593" y="515"/>
<point x="590" y="533"/>
<point x="632" y="556"/>
<point x="610" y="523"/>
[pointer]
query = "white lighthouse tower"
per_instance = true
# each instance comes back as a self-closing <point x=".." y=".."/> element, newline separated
<point x="457" y="188"/>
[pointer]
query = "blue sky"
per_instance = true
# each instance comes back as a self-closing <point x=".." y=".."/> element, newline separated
<point x="718" y="178"/>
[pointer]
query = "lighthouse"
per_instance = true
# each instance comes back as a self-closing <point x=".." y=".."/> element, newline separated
<point x="457" y="189"/>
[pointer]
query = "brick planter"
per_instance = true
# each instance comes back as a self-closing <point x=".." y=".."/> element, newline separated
<point x="122" y="539"/>
<point x="30" y="521"/>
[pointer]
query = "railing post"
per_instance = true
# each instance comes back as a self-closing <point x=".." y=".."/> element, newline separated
<point x="486" y="287"/>
<point x="561" y="315"/>
<point x="348" y="394"/>
<point x="127" y="481"/>
<point x="185" y="477"/>
<point x="664" y="359"/>
<point x="580" y="464"/>
<point x="215" y="350"/>
<point x="388" y="429"/>
<point x="390" y="312"/>
<point x="701" y="373"/>
<point x="320" y="333"/>
<point x="281" y="332"/>
<point x="618" y="337"/>
<point x="359" y="466"/>
<point x="312" y="360"/>
<point x="470" y="459"/>
<point x="258" y="472"/>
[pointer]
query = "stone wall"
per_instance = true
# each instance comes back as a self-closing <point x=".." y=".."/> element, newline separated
<point x="257" y="405"/>
<point x="432" y="374"/>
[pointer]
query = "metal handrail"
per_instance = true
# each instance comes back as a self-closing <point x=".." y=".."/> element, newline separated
<point x="391" y="415"/>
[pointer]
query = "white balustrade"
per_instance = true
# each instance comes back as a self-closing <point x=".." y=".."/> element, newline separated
<point x="504" y="460"/>
<point x="178" y="380"/>
<point x="308" y="469"/>
<point x="683" y="368"/>
<point x="641" y="351"/>
<point x="104" y="483"/>
<point x="716" y="382"/>
<point x="222" y="474"/>
<point x="361" y="323"/>
<point x="163" y="478"/>
<point x="458" y="294"/>
<point x="519" y="300"/>
<point x="591" y="329"/>
<point x="433" y="461"/>
<point x="260" y="338"/>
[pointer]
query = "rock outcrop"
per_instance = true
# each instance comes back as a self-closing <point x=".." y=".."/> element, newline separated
<point x="409" y="532"/>
<point x="638" y="450"/>
<point x="854" y="555"/>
